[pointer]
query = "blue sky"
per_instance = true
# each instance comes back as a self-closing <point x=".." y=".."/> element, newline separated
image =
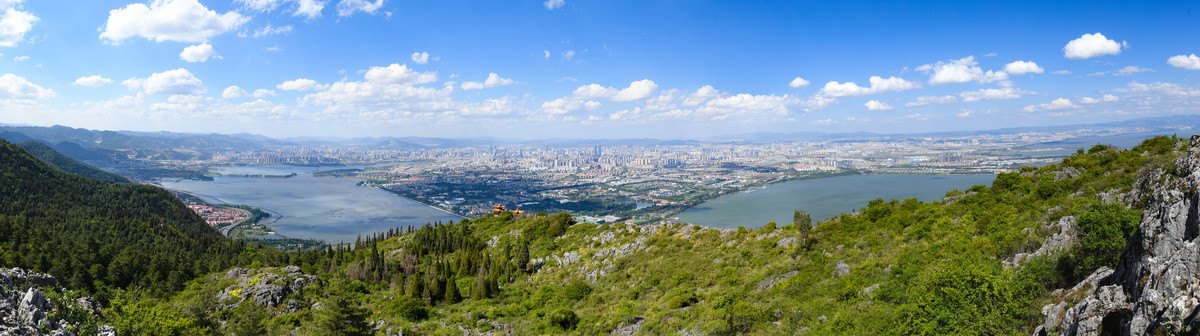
<point x="599" y="69"/>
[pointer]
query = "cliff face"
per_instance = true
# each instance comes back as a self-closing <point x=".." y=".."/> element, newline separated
<point x="1156" y="286"/>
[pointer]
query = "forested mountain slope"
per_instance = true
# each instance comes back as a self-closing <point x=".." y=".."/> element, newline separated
<point x="64" y="163"/>
<point x="95" y="235"/>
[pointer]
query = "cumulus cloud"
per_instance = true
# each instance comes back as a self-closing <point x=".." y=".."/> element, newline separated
<point x="17" y="87"/>
<point x="420" y="57"/>
<point x="492" y="81"/>
<point x="960" y="71"/>
<point x="1161" y="88"/>
<point x="1106" y="99"/>
<point x="1022" y="67"/>
<point x="567" y="55"/>
<point x="263" y="93"/>
<point x="349" y="7"/>
<point x="594" y="91"/>
<point x="553" y="4"/>
<point x="875" y="105"/>
<point x="307" y="8"/>
<point x="798" y="83"/>
<point x="169" y="20"/>
<point x="399" y="74"/>
<point x="834" y="89"/>
<point x="1057" y="104"/>
<point x="234" y="92"/>
<point x="300" y="84"/>
<point x="14" y="23"/>
<point x="547" y="53"/>
<point x="20" y="58"/>
<point x="171" y="82"/>
<point x="1092" y="45"/>
<point x="636" y="91"/>
<point x="92" y="81"/>
<point x="198" y="53"/>
<point x="566" y="105"/>
<point x="1190" y="62"/>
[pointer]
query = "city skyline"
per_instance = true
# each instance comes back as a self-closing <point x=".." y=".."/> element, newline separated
<point x="579" y="69"/>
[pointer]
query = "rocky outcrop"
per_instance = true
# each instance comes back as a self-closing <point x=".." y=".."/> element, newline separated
<point x="25" y="309"/>
<point x="1155" y="288"/>
<point x="1057" y="242"/>
<point x="268" y="287"/>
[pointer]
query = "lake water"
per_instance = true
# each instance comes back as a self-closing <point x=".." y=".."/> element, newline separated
<point x="822" y="198"/>
<point x="333" y="209"/>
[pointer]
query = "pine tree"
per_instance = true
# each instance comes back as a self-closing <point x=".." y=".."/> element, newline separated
<point x="340" y="315"/>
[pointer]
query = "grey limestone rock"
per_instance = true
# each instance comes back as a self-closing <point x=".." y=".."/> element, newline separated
<point x="841" y="269"/>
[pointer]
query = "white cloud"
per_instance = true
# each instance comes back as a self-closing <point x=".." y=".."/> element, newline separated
<point x="834" y="89"/>
<point x="798" y="83"/>
<point x="17" y="87"/>
<point x="268" y="30"/>
<point x="636" y="91"/>
<point x="20" y="58"/>
<point x="306" y="8"/>
<point x="1022" y="67"/>
<point x="399" y="74"/>
<point x="300" y="84"/>
<point x="198" y="53"/>
<point x="263" y="93"/>
<point x="960" y="71"/>
<point x="547" y="53"/>
<point x="926" y="100"/>
<point x="92" y="81"/>
<point x="989" y="94"/>
<point x="956" y="71"/>
<point x="1092" y="45"/>
<point x="14" y="23"/>
<point x="1061" y="72"/>
<point x="594" y="91"/>
<point x="875" y="105"/>
<point x="492" y="81"/>
<point x="234" y="92"/>
<point x="1166" y="89"/>
<point x="565" y="106"/>
<point x="567" y="55"/>
<point x="420" y="57"/>
<point x="348" y="7"/>
<point x="171" y="82"/>
<point x="553" y="4"/>
<point x="169" y="20"/>
<point x="1190" y="62"/>
<point x="1126" y="71"/>
<point x="1106" y="98"/>
<point x="1057" y="104"/>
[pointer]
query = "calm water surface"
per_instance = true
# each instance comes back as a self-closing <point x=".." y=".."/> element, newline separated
<point x="330" y="208"/>
<point x="822" y="198"/>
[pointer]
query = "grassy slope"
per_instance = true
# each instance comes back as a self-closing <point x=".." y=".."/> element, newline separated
<point x="914" y="267"/>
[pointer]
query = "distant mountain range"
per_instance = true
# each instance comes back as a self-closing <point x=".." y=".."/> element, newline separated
<point x="160" y="144"/>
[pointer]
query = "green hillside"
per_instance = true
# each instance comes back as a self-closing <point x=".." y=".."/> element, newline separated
<point x="894" y="267"/>
<point x="98" y="236"/>
<point x="67" y="164"/>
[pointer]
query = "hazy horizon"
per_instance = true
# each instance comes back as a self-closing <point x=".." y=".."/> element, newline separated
<point x="589" y="70"/>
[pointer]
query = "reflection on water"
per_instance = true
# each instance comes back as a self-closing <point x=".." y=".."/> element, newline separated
<point x="329" y="208"/>
<point x="822" y="198"/>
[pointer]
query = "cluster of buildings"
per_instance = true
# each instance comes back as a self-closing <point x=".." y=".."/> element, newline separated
<point x="218" y="216"/>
